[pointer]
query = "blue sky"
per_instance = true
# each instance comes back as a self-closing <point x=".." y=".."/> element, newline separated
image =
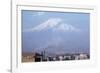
<point x="57" y="32"/>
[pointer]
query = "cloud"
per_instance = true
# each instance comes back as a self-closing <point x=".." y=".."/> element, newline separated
<point x="55" y="24"/>
<point x="40" y="13"/>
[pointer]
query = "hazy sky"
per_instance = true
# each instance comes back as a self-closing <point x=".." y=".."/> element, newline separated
<point x="56" y="32"/>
